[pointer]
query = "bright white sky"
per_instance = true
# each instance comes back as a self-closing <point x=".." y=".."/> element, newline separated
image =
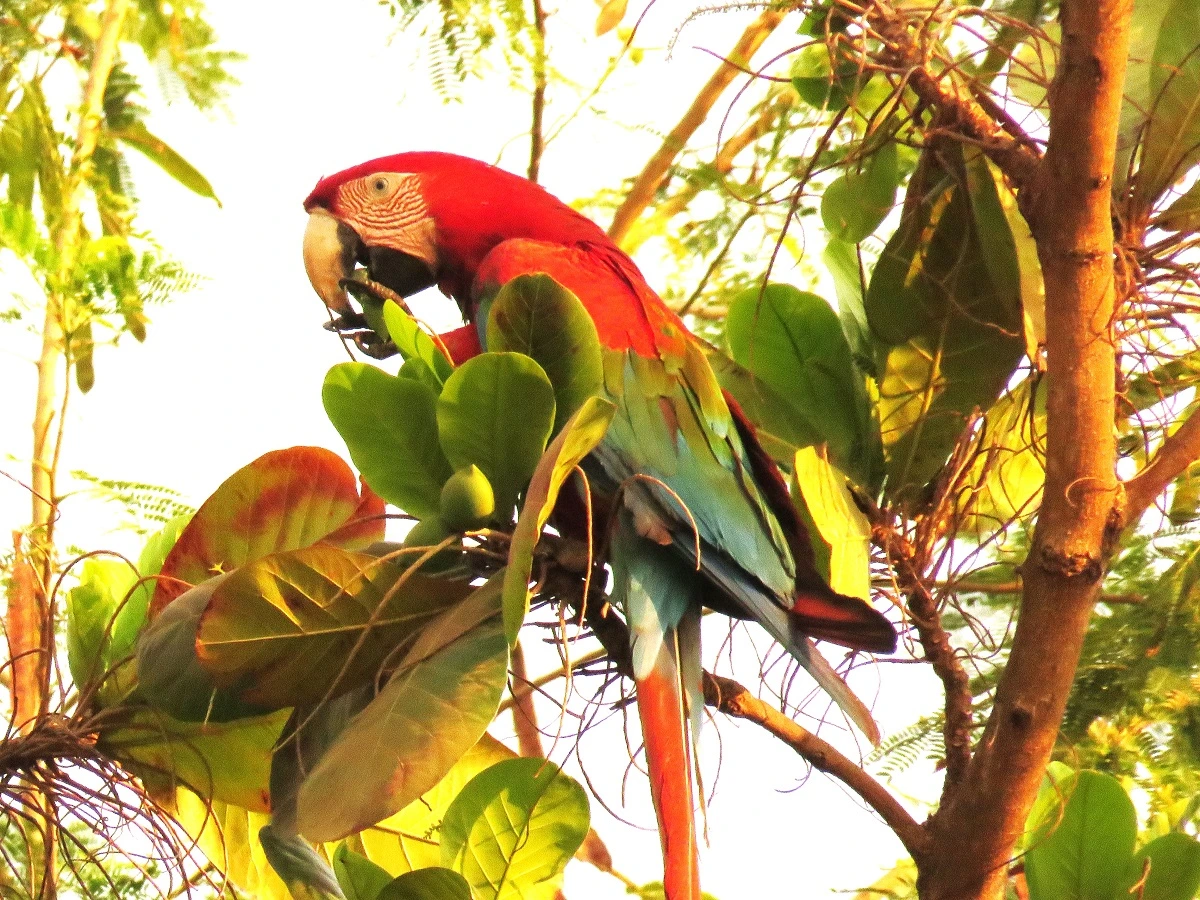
<point x="235" y="368"/>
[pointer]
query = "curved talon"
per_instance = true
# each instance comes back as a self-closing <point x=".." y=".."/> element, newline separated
<point x="370" y="344"/>
<point x="348" y="321"/>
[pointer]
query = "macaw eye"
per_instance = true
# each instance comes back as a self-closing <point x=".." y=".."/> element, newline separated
<point x="379" y="185"/>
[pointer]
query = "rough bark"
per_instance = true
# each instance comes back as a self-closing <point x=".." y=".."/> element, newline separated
<point x="1068" y="207"/>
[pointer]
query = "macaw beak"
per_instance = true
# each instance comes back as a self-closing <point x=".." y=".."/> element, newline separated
<point x="331" y="248"/>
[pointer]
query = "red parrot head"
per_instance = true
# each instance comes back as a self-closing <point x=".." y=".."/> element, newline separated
<point x="419" y="219"/>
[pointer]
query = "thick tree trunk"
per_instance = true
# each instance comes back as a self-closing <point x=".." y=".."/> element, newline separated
<point x="1068" y="207"/>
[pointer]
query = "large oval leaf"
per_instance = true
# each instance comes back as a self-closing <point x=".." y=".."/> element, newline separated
<point x="228" y="836"/>
<point x="389" y="427"/>
<point x="854" y="204"/>
<point x="793" y="342"/>
<point x="295" y="627"/>
<point x="535" y="315"/>
<point x="428" y="884"/>
<point x="1087" y="855"/>
<point x="401" y="842"/>
<point x="496" y="412"/>
<point x="946" y="299"/>
<point x="431" y="712"/>
<point x="169" y="672"/>
<point x="283" y="500"/>
<point x="1171" y="868"/>
<point x="229" y="762"/>
<point x="513" y="829"/>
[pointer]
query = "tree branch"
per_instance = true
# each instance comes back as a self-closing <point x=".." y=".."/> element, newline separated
<point x="1067" y="200"/>
<point x="647" y="181"/>
<point x="537" y="140"/>
<point x="1015" y="157"/>
<point x="1178" y="451"/>
<point x="935" y="642"/>
<point x="730" y="697"/>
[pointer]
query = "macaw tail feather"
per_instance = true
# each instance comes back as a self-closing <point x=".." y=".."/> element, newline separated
<point x="664" y="710"/>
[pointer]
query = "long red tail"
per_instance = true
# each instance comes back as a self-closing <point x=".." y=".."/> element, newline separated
<point x="669" y="759"/>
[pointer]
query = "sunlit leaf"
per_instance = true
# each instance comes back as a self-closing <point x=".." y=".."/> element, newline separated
<point x="408" y="839"/>
<point x="228" y="836"/>
<point x="513" y="829"/>
<point x="295" y="627"/>
<point x="284" y="500"/>
<point x="430" y="712"/>
<point x="577" y="439"/>
<point x="841" y="259"/>
<point x="390" y="429"/>
<point x="840" y="533"/>
<point x="229" y="761"/>
<point x="413" y="342"/>
<point x="534" y="315"/>
<point x="496" y="411"/>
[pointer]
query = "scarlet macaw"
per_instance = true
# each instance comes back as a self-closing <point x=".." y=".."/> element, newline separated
<point x="684" y="456"/>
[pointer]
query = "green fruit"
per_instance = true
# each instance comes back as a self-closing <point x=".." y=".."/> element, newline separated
<point x="467" y="500"/>
<point x="426" y="534"/>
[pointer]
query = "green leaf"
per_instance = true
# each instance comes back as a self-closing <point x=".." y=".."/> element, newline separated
<point x="228" y="761"/>
<point x="413" y="342"/>
<point x="401" y="843"/>
<point x="91" y="610"/>
<point x="1009" y="469"/>
<point x="307" y="875"/>
<point x="1087" y="856"/>
<point x="390" y="427"/>
<point x="433" y="883"/>
<point x="513" y="829"/>
<point x="840" y="533"/>
<point x="841" y="259"/>
<point x="431" y="711"/>
<point x="295" y="627"/>
<point x="822" y="84"/>
<point x="359" y="878"/>
<point x="496" y="411"/>
<point x="160" y="153"/>
<point x="1057" y="784"/>
<point x="1173" y="869"/>
<point x="855" y="204"/>
<point x="578" y="438"/>
<point x="284" y="500"/>
<point x="535" y="315"/>
<point x="950" y="314"/>
<point x="1171" y="140"/>
<point x="793" y="342"/>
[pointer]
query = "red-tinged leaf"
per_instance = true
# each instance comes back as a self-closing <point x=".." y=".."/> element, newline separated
<point x="398" y="843"/>
<point x="366" y="525"/>
<point x="298" y="626"/>
<point x="431" y="712"/>
<point x="578" y="437"/>
<point x="284" y="500"/>
<point x="229" y="761"/>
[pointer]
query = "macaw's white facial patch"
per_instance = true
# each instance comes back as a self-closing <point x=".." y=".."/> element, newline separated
<point x="387" y="209"/>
